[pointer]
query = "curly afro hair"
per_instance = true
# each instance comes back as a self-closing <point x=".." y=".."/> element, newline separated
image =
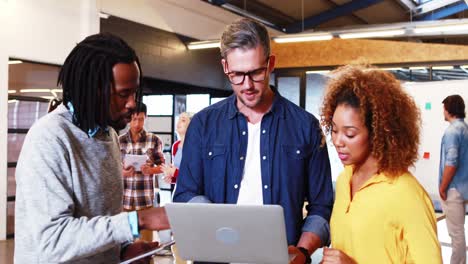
<point x="389" y="113"/>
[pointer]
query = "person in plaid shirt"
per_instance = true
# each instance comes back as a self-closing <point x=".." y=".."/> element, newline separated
<point x="138" y="182"/>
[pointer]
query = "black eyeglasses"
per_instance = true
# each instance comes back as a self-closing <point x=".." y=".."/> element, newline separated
<point x="257" y="75"/>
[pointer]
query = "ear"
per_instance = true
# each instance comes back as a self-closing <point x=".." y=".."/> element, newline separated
<point x="224" y="63"/>
<point x="272" y="63"/>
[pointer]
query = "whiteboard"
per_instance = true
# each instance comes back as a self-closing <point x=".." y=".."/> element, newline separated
<point x="428" y="96"/>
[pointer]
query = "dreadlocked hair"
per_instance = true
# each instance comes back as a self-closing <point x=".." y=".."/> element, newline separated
<point x="87" y="78"/>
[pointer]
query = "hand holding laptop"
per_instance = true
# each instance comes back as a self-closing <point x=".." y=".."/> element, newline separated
<point x="137" y="248"/>
<point x="331" y="255"/>
<point x="296" y="256"/>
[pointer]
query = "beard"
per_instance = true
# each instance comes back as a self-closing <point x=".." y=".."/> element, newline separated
<point x="121" y="122"/>
<point x="249" y="103"/>
<point x="118" y="124"/>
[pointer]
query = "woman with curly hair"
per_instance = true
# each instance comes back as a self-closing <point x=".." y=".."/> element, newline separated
<point x="381" y="213"/>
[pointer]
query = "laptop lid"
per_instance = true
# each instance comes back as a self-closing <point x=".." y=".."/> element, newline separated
<point x="229" y="232"/>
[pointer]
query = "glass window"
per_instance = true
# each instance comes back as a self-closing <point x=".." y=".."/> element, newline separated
<point x="158" y="104"/>
<point x="30" y="87"/>
<point x="289" y="87"/>
<point x="315" y="89"/>
<point x="196" y="102"/>
<point x="15" y="143"/>
<point x="10" y="218"/>
<point x="214" y="100"/>
<point x="22" y="114"/>
<point x="11" y="183"/>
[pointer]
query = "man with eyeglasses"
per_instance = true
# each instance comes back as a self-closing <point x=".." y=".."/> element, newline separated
<point x="256" y="147"/>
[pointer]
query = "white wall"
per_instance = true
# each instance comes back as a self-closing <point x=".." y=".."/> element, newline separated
<point x="3" y="137"/>
<point x="193" y="18"/>
<point x="433" y="127"/>
<point x="47" y="30"/>
<point x="42" y="31"/>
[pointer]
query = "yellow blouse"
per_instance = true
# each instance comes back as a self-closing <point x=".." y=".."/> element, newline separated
<point x="389" y="220"/>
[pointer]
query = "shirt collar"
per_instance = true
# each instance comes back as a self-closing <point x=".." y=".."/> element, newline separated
<point x="277" y="108"/>
<point x="142" y="136"/>
<point x="91" y="132"/>
<point x="378" y="178"/>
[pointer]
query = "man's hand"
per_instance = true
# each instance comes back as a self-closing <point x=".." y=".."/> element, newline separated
<point x="298" y="257"/>
<point x="128" y="171"/>
<point x="442" y="193"/>
<point x="138" y="248"/>
<point x="447" y="177"/>
<point x="335" y="256"/>
<point x="153" y="219"/>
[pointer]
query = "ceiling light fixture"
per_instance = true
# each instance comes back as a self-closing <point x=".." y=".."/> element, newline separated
<point x="14" y="62"/>
<point x="390" y="69"/>
<point x="11" y="91"/>
<point x="35" y="91"/>
<point x="303" y="37"/>
<point x="318" y="72"/>
<point x="103" y="15"/>
<point x="203" y="44"/>
<point x="441" y="29"/>
<point x="442" y="67"/>
<point x="418" y="68"/>
<point x="372" y="34"/>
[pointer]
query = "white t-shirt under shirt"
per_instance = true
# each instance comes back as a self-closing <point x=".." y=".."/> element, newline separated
<point x="250" y="191"/>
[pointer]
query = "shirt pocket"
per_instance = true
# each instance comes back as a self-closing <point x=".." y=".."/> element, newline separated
<point x="211" y="152"/>
<point x="214" y="165"/>
<point x="297" y="152"/>
<point x="295" y="163"/>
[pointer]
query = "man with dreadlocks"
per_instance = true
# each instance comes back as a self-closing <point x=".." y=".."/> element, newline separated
<point x="69" y="173"/>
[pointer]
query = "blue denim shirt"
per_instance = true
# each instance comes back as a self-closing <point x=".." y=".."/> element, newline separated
<point x="295" y="167"/>
<point x="454" y="152"/>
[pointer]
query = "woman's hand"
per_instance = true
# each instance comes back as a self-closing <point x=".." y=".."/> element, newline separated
<point x="169" y="171"/>
<point x="335" y="256"/>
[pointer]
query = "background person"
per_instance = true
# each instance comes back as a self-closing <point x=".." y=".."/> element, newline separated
<point x="453" y="174"/>
<point x="172" y="171"/>
<point x="138" y="191"/>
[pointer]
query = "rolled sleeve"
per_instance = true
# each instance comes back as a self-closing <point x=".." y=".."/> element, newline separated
<point x="451" y="157"/>
<point x="451" y="142"/>
<point x="199" y="199"/>
<point x="319" y="226"/>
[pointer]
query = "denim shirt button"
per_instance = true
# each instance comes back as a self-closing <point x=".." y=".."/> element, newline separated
<point x="298" y="152"/>
<point x="236" y="186"/>
<point x="266" y="186"/>
<point x="264" y="157"/>
<point x="264" y="131"/>
<point x="241" y="158"/>
<point x="210" y="153"/>
<point x="243" y="133"/>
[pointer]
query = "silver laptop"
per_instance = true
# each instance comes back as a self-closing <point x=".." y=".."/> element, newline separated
<point x="229" y="232"/>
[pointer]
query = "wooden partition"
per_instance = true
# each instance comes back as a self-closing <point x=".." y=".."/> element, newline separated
<point x="344" y="51"/>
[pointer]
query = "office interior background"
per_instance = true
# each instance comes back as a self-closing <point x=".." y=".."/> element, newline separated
<point x="422" y="42"/>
